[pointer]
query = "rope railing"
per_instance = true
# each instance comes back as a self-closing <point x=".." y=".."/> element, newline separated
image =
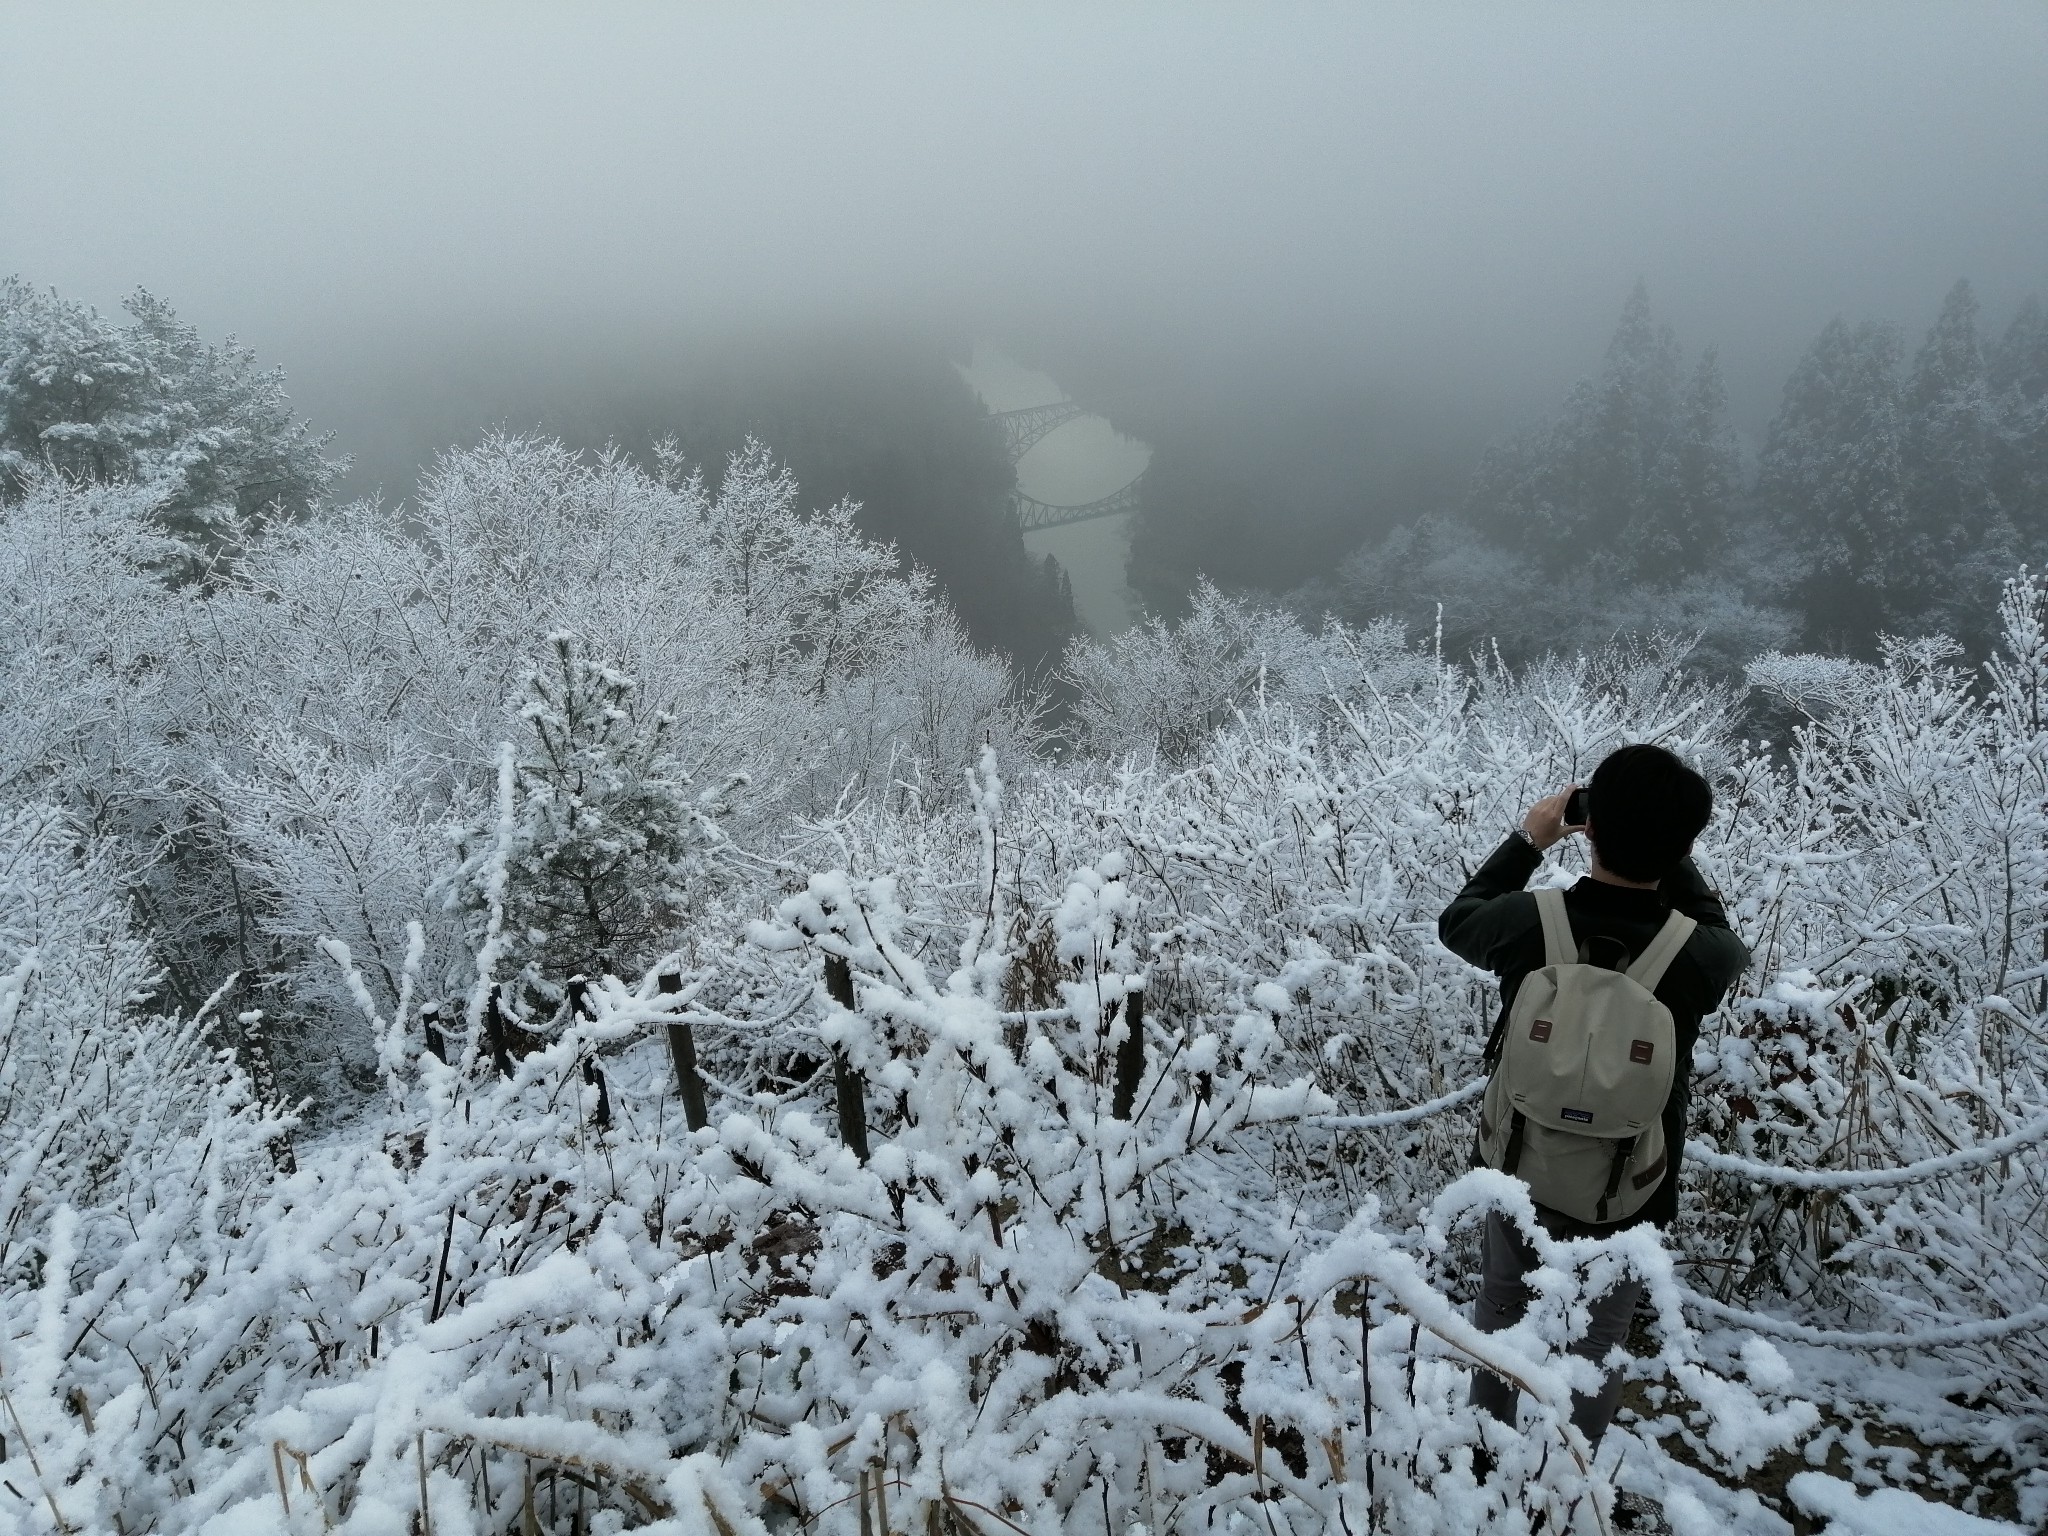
<point x="1388" y="1119"/>
<point x="1984" y="1331"/>
<point x="1942" y="1336"/>
<point x="2030" y="1134"/>
<point x="1871" y="1178"/>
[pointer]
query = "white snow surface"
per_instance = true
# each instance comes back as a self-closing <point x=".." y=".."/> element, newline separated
<point x="1884" y="1511"/>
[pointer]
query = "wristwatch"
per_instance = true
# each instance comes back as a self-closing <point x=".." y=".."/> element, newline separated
<point x="1523" y="834"/>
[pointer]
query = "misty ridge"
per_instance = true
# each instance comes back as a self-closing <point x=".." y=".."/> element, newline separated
<point x="636" y="897"/>
<point x="1892" y="492"/>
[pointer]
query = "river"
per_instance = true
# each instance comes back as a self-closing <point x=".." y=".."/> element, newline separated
<point x="1080" y="461"/>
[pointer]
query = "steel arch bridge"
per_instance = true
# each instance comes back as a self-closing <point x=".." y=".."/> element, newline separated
<point x="1034" y="515"/>
<point x="1023" y="428"/>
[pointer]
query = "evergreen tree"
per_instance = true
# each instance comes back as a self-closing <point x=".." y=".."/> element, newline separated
<point x="1831" y="482"/>
<point x="606" y="842"/>
<point x="1637" y="475"/>
<point x="1693" y="486"/>
<point x="2019" y="363"/>
<point x="2018" y="371"/>
<point x="1952" y="431"/>
<point x="211" y="433"/>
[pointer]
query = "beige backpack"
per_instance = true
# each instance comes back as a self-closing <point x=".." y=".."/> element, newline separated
<point x="1575" y="1106"/>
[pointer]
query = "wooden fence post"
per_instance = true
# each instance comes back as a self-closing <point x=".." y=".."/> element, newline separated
<point x="846" y="1083"/>
<point x="430" y="1026"/>
<point x="595" y="1079"/>
<point x="494" y="1021"/>
<point x="1130" y="1056"/>
<point x="682" y="1050"/>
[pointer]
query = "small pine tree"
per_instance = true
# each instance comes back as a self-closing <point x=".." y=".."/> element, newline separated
<point x="607" y="844"/>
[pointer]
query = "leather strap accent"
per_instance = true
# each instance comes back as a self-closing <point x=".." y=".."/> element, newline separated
<point x="1653" y="1173"/>
<point x="1559" y="948"/>
<point x="1624" y="1149"/>
<point x="1653" y="962"/>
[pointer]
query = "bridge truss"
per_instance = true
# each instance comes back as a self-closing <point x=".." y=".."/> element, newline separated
<point x="1034" y="515"/>
<point x="1023" y="428"/>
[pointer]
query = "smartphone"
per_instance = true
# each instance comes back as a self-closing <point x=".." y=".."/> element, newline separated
<point x="1575" y="808"/>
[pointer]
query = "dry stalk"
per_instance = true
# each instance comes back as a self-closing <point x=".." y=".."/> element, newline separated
<point x="960" y="1506"/>
<point x="529" y="1522"/>
<point x="654" y="1508"/>
<point x="35" y="1465"/>
<point x="419" y="1446"/>
<point x="306" y="1482"/>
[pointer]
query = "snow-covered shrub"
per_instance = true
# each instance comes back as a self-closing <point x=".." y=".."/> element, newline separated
<point x="1443" y="573"/>
<point x="1164" y="689"/>
<point x="539" y="1303"/>
<point x="283" y="747"/>
<point x="137" y="1161"/>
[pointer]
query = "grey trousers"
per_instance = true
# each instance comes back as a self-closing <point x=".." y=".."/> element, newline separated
<point x="1503" y="1298"/>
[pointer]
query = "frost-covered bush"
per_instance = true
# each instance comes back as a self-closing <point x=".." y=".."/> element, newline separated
<point x="1444" y="573"/>
<point x="284" y="748"/>
<point x="539" y="1303"/>
<point x="1163" y="689"/>
<point x="137" y="1160"/>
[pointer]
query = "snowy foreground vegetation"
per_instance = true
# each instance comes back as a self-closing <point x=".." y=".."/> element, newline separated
<point x="332" y="1199"/>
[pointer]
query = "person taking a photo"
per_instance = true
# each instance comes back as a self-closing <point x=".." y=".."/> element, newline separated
<point x="1603" y="987"/>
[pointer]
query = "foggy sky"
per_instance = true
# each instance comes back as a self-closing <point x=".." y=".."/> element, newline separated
<point x="1447" y="201"/>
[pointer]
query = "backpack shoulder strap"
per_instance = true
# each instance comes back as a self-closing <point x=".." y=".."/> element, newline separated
<point x="1558" y="945"/>
<point x="1651" y="964"/>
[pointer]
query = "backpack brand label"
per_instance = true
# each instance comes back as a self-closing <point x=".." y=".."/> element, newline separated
<point x="1583" y="1116"/>
<point x="1540" y="1031"/>
<point x="1641" y="1051"/>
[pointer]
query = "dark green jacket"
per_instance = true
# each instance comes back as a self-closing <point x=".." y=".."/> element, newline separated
<point x="1492" y="922"/>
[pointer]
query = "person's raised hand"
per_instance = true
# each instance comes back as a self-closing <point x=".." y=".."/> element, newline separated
<point x="1545" y="822"/>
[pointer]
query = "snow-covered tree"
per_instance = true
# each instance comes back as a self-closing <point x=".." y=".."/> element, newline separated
<point x="1164" y="689"/>
<point x="605" y="842"/>
<point x="1949" y="457"/>
<point x="2018" y="372"/>
<point x="81" y="639"/>
<point x="1695" y="482"/>
<point x="212" y="435"/>
<point x="1831" y="481"/>
<point x="1635" y="477"/>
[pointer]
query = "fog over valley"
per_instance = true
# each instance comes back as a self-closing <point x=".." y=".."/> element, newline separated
<point x="1321" y="257"/>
